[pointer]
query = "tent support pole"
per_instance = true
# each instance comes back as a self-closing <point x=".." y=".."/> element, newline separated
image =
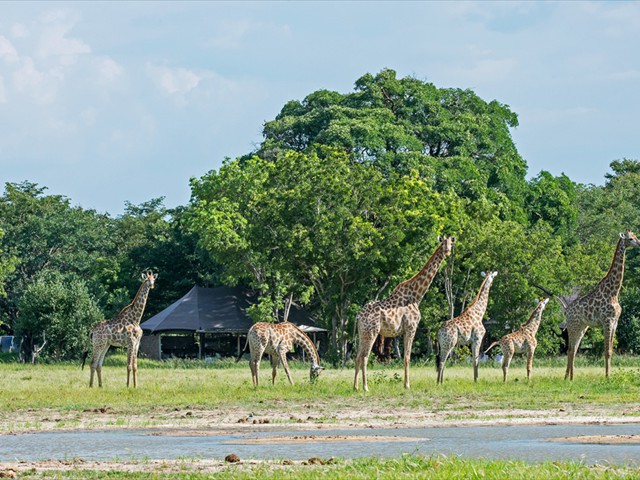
<point x="201" y="346"/>
<point x="238" y="342"/>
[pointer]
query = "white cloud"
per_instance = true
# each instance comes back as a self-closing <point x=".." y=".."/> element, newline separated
<point x="109" y="70"/>
<point x="19" y="30"/>
<point x="3" y="96"/>
<point x="174" y="81"/>
<point x="7" y="50"/>
<point x="27" y="76"/>
<point x="54" y="41"/>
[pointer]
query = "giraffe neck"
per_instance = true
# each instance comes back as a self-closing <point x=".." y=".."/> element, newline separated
<point x="480" y="303"/>
<point x="299" y="338"/>
<point x="533" y="323"/>
<point x="611" y="283"/>
<point x="135" y="309"/>
<point x="415" y="288"/>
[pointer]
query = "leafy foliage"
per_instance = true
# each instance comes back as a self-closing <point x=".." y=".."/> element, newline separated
<point x="343" y="200"/>
<point x="60" y="311"/>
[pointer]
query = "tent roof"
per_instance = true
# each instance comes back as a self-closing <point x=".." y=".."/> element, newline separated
<point x="221" y="309"/>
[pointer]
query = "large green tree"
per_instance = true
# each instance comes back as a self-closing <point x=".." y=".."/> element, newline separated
<point x="399" y="124"/>
<point x="58" y="310"/>
<point x="44" y="232"/>
<point x="320" y="227"/>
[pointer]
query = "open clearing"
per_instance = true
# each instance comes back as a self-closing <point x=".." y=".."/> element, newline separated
<point x="197" y="400"/>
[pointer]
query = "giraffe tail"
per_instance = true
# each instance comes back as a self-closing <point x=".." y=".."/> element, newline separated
<point x="490" y="347"/>
<point x="437" y="356"/>
<point x="84" y="358"/>
<point x="243" y="350"/>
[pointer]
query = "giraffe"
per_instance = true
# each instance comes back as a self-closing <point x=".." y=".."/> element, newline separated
<point x="123" y="330"/>
<point x="464" y="329"/>
<point x="522" y="340"/>
<point x="399" y="314"/>
<point x="600" y="308"/>
<point x="276" y="339"/>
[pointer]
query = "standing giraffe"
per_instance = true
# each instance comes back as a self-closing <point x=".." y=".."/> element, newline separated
<point x="123" y="330"/>
<point x="397" y="315"/>
<point x="600" y="308"/>
<point x="522" y="340"/>
<point x="464" y="329"/>
<point x="276" y="339"/>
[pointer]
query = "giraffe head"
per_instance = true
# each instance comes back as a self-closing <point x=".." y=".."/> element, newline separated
<point x="149" y="277"/>
<point x="489" y="277"/>
<point x="629" y="239"/>
<point x="315" y="372"/>
<point x="447" y="244"/>
<point x="541" y="304"/>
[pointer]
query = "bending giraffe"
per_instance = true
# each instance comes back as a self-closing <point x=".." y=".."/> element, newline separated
<point x="121" y="331"/>
<point x="522" y="340"/>
<point x="397" y="315"/>
<point x="276" y="339"/>
<point x="465" y="329"/>
<point x="600" y="308"/>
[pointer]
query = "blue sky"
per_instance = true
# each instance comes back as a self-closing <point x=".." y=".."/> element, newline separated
<point x="107" y="102"/>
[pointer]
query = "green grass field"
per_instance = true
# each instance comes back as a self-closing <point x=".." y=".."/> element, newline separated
<point x="201" y="385"/>
<point x="33" y="395"/>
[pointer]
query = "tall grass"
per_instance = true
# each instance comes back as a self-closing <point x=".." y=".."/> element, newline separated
<point x="225" y="384"/>
<point x="406" y="466"/>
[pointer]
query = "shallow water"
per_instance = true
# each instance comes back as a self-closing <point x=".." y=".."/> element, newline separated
<point x="528" y="443"/>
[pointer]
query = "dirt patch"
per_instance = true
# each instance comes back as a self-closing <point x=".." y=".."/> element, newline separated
<point x="148" y="466"/>
<point x="601" y="439"/>
<point x="322" y="439"/>
<point x="167" y="421"/>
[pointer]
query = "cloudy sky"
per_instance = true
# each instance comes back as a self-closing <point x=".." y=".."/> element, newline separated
<point x="125" y="101"/>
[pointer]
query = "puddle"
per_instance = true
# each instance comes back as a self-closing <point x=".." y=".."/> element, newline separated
<point x="529" y="443"/>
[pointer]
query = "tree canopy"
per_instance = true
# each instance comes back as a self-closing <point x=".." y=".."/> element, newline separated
<point x="342" y="200"/>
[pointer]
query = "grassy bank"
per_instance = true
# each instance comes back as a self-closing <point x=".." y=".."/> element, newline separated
<point x="407" y="466"/>
<point x="196" y="385"/>
<point x="204" y="395"/>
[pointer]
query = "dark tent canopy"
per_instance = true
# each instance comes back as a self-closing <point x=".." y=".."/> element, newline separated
<point x="209" y="310"/>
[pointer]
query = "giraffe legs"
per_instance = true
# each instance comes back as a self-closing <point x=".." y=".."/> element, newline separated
<point x="132" y="356"/>
<point x="609" y="333"/>
<point x="507" y="355"/>
<point x="475" y="353"/>
<point x="132" y="365"/>
<point x="408" y="341"/>
<point x="530" y="352"/>
<point x="285" y="365"/>
<point x="364" y="349"/>
<point x="574" y="343"/>
<point x="275" y="361"/>
<point x="254" y="363"/>
<point x="444" y="352"/>
<point x="99" y="352"/>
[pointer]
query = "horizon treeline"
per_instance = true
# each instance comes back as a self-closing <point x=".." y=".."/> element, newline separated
<point x="344" y="198"/>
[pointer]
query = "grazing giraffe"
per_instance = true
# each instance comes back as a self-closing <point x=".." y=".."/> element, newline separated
<point x="464" y="329"/>
<point x="397" y="315"/>
<point x="276" y="339"/>
<point x="121" y="331"/>
<point x="600" y="308"/>
<point x="522" y="340"/>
